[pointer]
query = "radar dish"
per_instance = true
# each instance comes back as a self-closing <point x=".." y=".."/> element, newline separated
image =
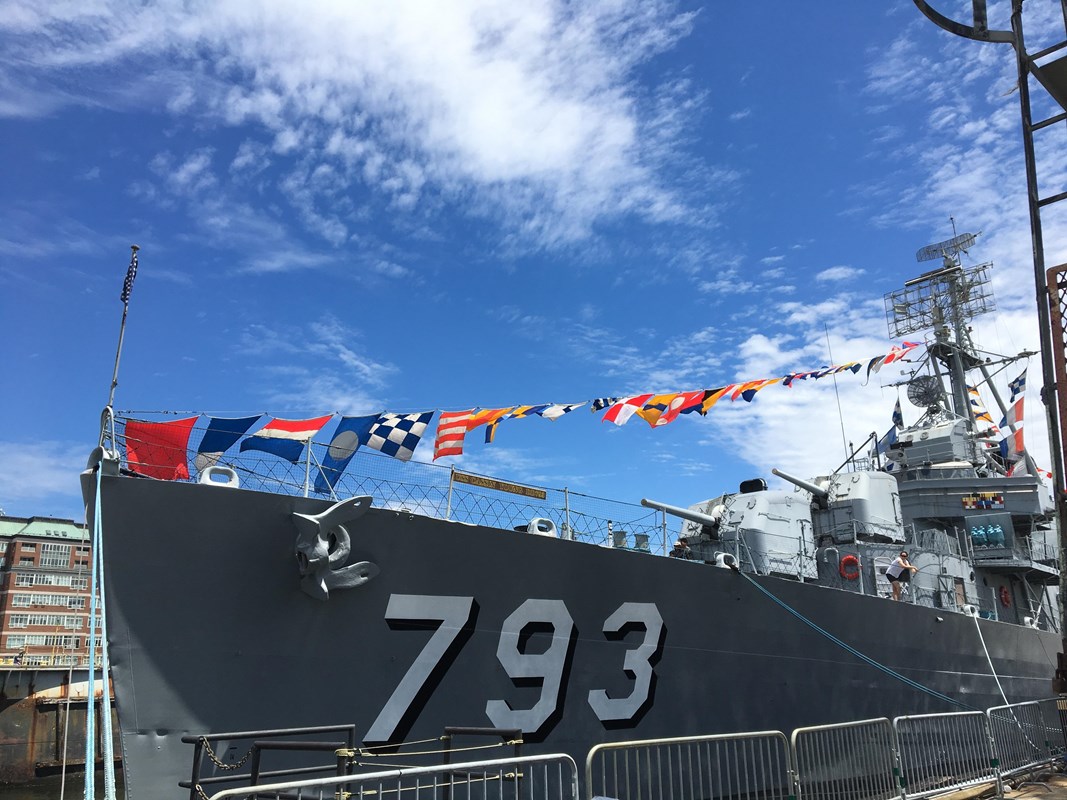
<point x="926" y="390"/>
<point x="947" y="248"/>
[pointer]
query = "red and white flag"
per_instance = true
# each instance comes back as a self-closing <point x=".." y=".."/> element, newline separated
<point x="621" y="412"/>
<point x="451" y="428"/>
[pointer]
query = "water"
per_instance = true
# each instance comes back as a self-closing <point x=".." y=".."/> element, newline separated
<point x="50" y="788"/>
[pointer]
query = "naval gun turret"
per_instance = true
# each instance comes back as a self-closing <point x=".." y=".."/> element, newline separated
<point x="853" y="506"/>
<point x="768" y="531"/>
<point x="819" y="495"/>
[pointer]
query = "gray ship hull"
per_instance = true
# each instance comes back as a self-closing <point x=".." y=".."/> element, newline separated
<point x="209" y="630"/>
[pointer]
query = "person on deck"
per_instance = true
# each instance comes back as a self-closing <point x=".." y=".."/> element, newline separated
<point x="681" y="549"/>
<point x="899" y="572"/>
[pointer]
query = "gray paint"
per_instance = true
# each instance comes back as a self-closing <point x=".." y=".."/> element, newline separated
<point x="209" y="630"/>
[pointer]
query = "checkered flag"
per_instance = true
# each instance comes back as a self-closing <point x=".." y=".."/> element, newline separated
<point x="1017" y="386"/>
<point x="398" y="435"/>
<point x="131" y="273"/>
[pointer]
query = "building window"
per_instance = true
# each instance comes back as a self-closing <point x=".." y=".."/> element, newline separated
<point x="23" y="579"/>
<point x="26" y="561"/>
<point x="55" y="555"/>
<point x="25" y="599"/>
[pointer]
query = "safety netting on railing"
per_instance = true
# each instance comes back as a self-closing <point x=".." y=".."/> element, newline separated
<point x="422" y="488"/>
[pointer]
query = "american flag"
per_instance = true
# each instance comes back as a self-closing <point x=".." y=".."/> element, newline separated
<point x="131" y="273"/>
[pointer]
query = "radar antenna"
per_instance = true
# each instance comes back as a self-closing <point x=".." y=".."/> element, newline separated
<point x="926" y="390"/>
<point x="944" y="300"/>
<point x="949" y="248"/>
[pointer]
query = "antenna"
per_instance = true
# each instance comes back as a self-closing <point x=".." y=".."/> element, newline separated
<point x="944" y="300"/>
<point x="926" y="390"/>
<point x="107" y="419"/>
<point x="948" y="248"/>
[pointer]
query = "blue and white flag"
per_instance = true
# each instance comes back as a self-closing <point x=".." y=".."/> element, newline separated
<point x="220" y="436"/>
<point x="887" y="441"/>
<point x="1017" y="386"/>
<point x="557" y="410"/>
<point x="349" y="434"/>
<point x="398" y="435"/>
<point x="882" y="448"/>
<point x="898" y="415"/>
<point x="600" y="403"/>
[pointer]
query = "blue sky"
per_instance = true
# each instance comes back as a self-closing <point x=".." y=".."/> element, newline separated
<point x="362" y="207"/>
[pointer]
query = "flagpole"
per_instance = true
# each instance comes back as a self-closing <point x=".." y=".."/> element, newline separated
<point x="131" y="273"/>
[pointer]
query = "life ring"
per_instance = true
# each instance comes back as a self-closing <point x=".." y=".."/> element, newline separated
<point x="1005" y="597"/>
<point x="849" y="567"/>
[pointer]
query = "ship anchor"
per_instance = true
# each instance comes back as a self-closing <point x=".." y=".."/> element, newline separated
<point x="323" y="546"/>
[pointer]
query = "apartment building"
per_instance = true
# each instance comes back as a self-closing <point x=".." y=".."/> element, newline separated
<point x="45" y="575"/>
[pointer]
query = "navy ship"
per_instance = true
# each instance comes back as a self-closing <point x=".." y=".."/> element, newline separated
<point x="235" y="603"/>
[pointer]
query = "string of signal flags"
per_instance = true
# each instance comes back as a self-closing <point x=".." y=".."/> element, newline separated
<point x="161" y="449"/>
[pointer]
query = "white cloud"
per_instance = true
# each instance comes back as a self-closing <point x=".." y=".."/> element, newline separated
<point x="390" y="269"/>
<point x="728" y="281"/>
<point x="251" y="157"/>
<point x="188" y="176"/>
<point x="536" y="105"/>
<point x="838" y="273"/>
<point x="41" y="478"/>
<point x="318" y="367"/>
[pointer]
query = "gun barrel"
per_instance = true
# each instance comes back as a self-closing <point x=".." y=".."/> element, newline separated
<point x="684" y="513"/>
<point x="817" y="492"/>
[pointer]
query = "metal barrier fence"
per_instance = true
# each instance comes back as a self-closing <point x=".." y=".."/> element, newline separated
<point x="1026" y="735"/>
<point x="756" y="766"/>
<point x="855" y="759"/>
<point x="938" y="752"/>
<point x="910" y="757"/>
<point x="545" y="777"/>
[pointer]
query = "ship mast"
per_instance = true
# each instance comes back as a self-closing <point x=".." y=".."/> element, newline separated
<point x="1048" y="67"/>
<point x="944" y="300"/>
